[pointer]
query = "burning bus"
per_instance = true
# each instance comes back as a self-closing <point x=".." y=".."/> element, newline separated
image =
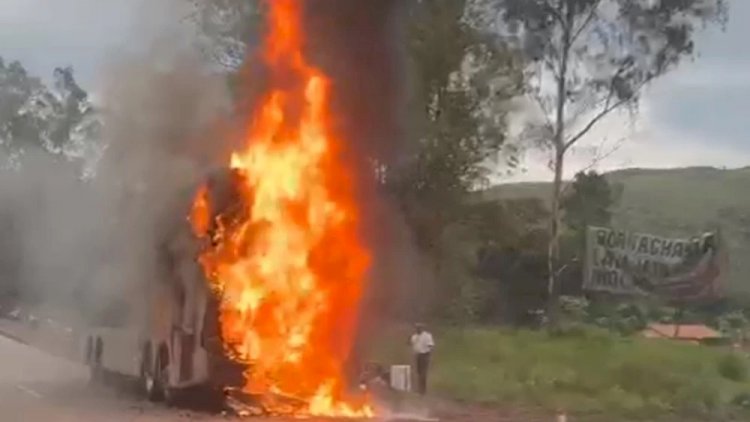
<point x="171" y="342"/>
<point x="268" y="276"/>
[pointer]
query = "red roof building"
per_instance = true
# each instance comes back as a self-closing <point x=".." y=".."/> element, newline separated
<point x="694" y="333"/>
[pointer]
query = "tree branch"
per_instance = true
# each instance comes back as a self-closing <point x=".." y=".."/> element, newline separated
<point x="608" y="108"/>
<point x="543" y="107"/>
<point x="602" y="114"/>
<point x="555" y="11"/>
<point x="551" y="66"/>
<point x="586" y="22"/>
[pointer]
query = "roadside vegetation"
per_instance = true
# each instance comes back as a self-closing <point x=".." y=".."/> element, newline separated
<point x="588" y="372"/>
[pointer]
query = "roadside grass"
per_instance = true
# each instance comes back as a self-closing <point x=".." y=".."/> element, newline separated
<point x="585" y="371"/>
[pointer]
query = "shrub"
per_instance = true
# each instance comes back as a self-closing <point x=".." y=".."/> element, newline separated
<point x="733" y="367"/>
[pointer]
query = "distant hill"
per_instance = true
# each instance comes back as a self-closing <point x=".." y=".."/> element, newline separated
<point x="676" y="202"/>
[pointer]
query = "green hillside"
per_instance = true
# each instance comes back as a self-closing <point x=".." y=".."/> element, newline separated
<point x="676" y="202"/>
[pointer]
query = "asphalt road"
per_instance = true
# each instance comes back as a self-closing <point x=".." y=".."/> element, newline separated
<point x="35" y="386"/>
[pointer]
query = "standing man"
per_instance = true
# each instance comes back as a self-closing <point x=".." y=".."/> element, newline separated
<point x="422" y="345"/>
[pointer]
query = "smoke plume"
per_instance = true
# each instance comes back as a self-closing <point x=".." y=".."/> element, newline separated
<point x="361" y="46"/>
<point x="79" y="244"/>
<point x="161" y="111"/>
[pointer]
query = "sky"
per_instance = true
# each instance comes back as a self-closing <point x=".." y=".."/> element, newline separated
<point x="693" y="116"/>
<point x="84" y="34"/>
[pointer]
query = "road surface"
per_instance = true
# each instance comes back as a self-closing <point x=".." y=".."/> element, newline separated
<point x="36" y="386"/>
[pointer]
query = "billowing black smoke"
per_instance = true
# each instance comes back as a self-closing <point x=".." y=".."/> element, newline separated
<point x="360" y="45"/>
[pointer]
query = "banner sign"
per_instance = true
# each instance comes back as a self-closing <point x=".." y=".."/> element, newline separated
<point x="628" y="263"/>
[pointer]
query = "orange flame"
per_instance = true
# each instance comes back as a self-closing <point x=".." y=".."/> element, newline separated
<point x="289" y="266"/>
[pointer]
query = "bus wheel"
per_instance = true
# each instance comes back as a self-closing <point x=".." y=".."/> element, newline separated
<point x="151" y="387"/>
<point x="162" y="379"/>
<point x="149" y="382"/>
<point x="96" y="375"/>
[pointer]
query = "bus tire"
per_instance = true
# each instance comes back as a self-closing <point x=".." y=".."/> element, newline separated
<point x="96" y="374"/>
<point x="149" y="382"/>
<point x="161" y="373"/>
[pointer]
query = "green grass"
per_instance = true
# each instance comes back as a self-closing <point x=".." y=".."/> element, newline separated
<point x="680" y="202"/>
<point x="587" y="372"/>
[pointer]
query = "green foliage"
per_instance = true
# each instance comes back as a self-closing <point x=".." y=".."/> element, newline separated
<point x="589" y="202"/>
<point x="459" y="114"/>
<point x="59" y="119"/>
<point x="517" y="224"/>
<point x="17" y="89"/>
<point x="574" y="308"/>
<point x="462" y="295"/>
<point x="229" y="27"/>
<point x="733" y="367"/>
<point x="512" y="238"/>
<point x="458" y="123"/>
<point x="734" y="324"/>
<point x="625" y="319"/>
<point x="601" y="52"/>
<point x="592" y="374"/>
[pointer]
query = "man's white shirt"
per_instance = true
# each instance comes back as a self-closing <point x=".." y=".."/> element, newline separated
<point x="422" y="343"/>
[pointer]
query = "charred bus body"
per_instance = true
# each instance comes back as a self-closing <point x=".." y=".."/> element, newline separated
<point x="169" y="341"/>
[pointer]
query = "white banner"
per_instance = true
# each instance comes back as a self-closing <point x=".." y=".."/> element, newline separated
<point x="628" y="263"/>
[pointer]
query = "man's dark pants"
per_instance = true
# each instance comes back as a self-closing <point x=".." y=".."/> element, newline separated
<point x="423" y="365"/>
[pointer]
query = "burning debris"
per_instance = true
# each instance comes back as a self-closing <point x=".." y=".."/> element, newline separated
<point x="282" y="250"/>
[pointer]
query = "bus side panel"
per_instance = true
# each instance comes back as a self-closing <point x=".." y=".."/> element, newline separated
<point x="120" y="351"/>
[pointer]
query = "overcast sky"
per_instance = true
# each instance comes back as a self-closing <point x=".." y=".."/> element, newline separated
<point x="44" y="34"/>
<point x="695" y="116"/>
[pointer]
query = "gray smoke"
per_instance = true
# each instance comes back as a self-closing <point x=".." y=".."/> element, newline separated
<point x="92" y="245"/>
<point x="160" y="115"/>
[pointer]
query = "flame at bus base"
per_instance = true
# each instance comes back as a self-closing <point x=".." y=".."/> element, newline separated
<point x="286" y="260"/>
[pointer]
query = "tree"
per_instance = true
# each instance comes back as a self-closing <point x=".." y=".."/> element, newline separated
<point x="513" y="242"/>
<point x="462" y="82"/>
<point x="228" y="26"/>
<point x="459" y="114"/>
<point x="60" y="119"/>
<point x="590" y="58"/>
<point x="588" y="202"/>
<point x="17" y="90"/>
<point x="735" y="325"/>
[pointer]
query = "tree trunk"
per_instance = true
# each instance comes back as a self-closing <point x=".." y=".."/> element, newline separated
<point x="553" y="252"/>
